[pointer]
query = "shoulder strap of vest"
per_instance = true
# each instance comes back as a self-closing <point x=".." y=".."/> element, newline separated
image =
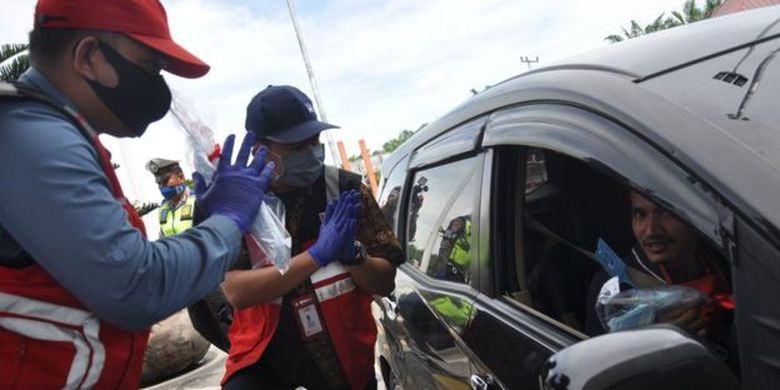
<point x="339" y="180"/>
<point x="20" y="91"/>
<point x="16" y="90"/>
<point x="331" y="183"/>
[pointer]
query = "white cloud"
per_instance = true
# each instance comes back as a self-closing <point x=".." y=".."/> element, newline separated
<point x="381" y="66"/>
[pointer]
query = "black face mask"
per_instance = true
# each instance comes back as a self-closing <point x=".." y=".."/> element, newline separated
<point x="139" y="99"/>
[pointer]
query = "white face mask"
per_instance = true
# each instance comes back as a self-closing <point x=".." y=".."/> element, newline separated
<point x="302" y="168"/>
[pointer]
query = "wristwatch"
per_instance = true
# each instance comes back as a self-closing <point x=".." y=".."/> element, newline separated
<point x="360" y="254"/>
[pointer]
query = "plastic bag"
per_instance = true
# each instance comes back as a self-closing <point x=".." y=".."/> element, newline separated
<point x="642" y="306"/>
<point x="268" y="240"/>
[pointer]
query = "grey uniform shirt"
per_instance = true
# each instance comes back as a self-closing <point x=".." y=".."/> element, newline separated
<point x="56" y="205"/>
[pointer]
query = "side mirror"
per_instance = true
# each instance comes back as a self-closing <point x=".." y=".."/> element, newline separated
<point x="660" y="357"/>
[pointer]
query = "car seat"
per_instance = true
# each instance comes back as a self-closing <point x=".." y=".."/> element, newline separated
<point x="587" y="206"/>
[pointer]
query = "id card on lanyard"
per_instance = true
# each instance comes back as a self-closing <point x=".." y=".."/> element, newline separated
<point x="307" y="316"/>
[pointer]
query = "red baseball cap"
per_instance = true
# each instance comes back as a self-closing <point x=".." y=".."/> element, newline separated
<point x="143" y="20"/>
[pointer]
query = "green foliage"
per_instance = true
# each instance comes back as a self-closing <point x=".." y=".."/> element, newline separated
<point x="11" y="69"/>
<point x="9" y="50"/>
<point x="393" y="144"/>
<point x="690" y="13"/>
<point x="146" y="208"/>
<point x="414" y="252"/>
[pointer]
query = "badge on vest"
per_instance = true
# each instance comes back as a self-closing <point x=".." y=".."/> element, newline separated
<point x="186" y="212"/>
<point x="307" y="316"/>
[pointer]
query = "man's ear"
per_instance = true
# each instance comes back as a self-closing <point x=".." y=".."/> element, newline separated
<point x="90" y="63"/>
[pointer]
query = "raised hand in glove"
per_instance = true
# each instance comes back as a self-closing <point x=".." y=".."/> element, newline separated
<point x="349" y="251"/>
<point x="337" y="230"/>
<point x="236" y="190"/>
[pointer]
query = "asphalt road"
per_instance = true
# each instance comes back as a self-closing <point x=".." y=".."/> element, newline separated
<point x="207" y="375"/>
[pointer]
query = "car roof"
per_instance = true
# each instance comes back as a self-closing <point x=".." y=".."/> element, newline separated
<point x="669" y="49"/>
<point x="634" y="61"/>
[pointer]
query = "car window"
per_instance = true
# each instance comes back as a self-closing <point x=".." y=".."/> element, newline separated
<point x="392" y="189"/>
<point x="565" y="214"/>
<point x="563" y="221"/>
<point x="441" y="214"/>
<point x="601" y="143"/>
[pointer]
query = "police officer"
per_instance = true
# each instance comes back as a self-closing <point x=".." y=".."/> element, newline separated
<point x="455" y="250"/>
<point x="172" y="348"/>
<point x="178" y="206"/>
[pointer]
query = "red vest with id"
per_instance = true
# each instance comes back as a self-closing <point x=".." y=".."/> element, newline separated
<point x="338" y="307"/>
<point x="48" y="339"/>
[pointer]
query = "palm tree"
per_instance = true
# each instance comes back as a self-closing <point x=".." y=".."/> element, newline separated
<point x="637" y="30"/>
<point x="690" y="13"/>
<point x="13" y="61"/>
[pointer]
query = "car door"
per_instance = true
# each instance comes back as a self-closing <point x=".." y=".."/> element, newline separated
<point x="424" y="319"/>
<point x="737" y="92"/>
<point x="532" y="300"/>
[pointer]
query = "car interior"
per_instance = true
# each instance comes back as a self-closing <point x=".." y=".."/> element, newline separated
<point x="564" y="207"/>
<point x="568" y="206"/>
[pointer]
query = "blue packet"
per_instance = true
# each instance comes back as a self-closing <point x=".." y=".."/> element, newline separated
<point x="612" y="263"/>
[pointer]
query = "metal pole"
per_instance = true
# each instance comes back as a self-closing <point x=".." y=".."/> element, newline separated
<point x="312" y="80"/>
<point x="344" y="159"/>
<point x="528" y="61"/>
<point x="369" y="167"/>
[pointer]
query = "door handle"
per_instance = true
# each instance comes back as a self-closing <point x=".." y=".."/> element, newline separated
<point x="482" y="382"/>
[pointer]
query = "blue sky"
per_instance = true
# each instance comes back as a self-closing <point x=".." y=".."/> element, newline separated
<point x="381" y="66"/>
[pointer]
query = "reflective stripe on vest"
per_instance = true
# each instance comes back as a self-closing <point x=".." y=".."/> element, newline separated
<point x="332" y="281"/>
<point x="47" y="321"/>
<point x="334" y="289"/>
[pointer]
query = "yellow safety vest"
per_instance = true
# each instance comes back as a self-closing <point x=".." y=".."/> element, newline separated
<point x="179" y="219"/>
<point x="461" y="249"/>
<point x="455" y="313"/>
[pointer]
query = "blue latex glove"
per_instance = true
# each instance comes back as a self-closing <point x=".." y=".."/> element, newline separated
<point x="338" y="224"/>
<point x="236" y="191"/>
<point x="348" y="252"/>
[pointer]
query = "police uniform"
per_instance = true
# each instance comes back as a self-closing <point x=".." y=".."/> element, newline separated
<point x="173" y="217"/>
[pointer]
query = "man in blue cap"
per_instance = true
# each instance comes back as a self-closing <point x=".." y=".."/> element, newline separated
<point x="311" y="326"/>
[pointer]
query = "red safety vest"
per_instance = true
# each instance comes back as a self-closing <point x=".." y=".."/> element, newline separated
<point x="346" y="311"/>
<point x="48" y="339"/>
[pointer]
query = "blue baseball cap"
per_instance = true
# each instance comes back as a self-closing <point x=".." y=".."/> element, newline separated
<point x="283" y="114"/>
